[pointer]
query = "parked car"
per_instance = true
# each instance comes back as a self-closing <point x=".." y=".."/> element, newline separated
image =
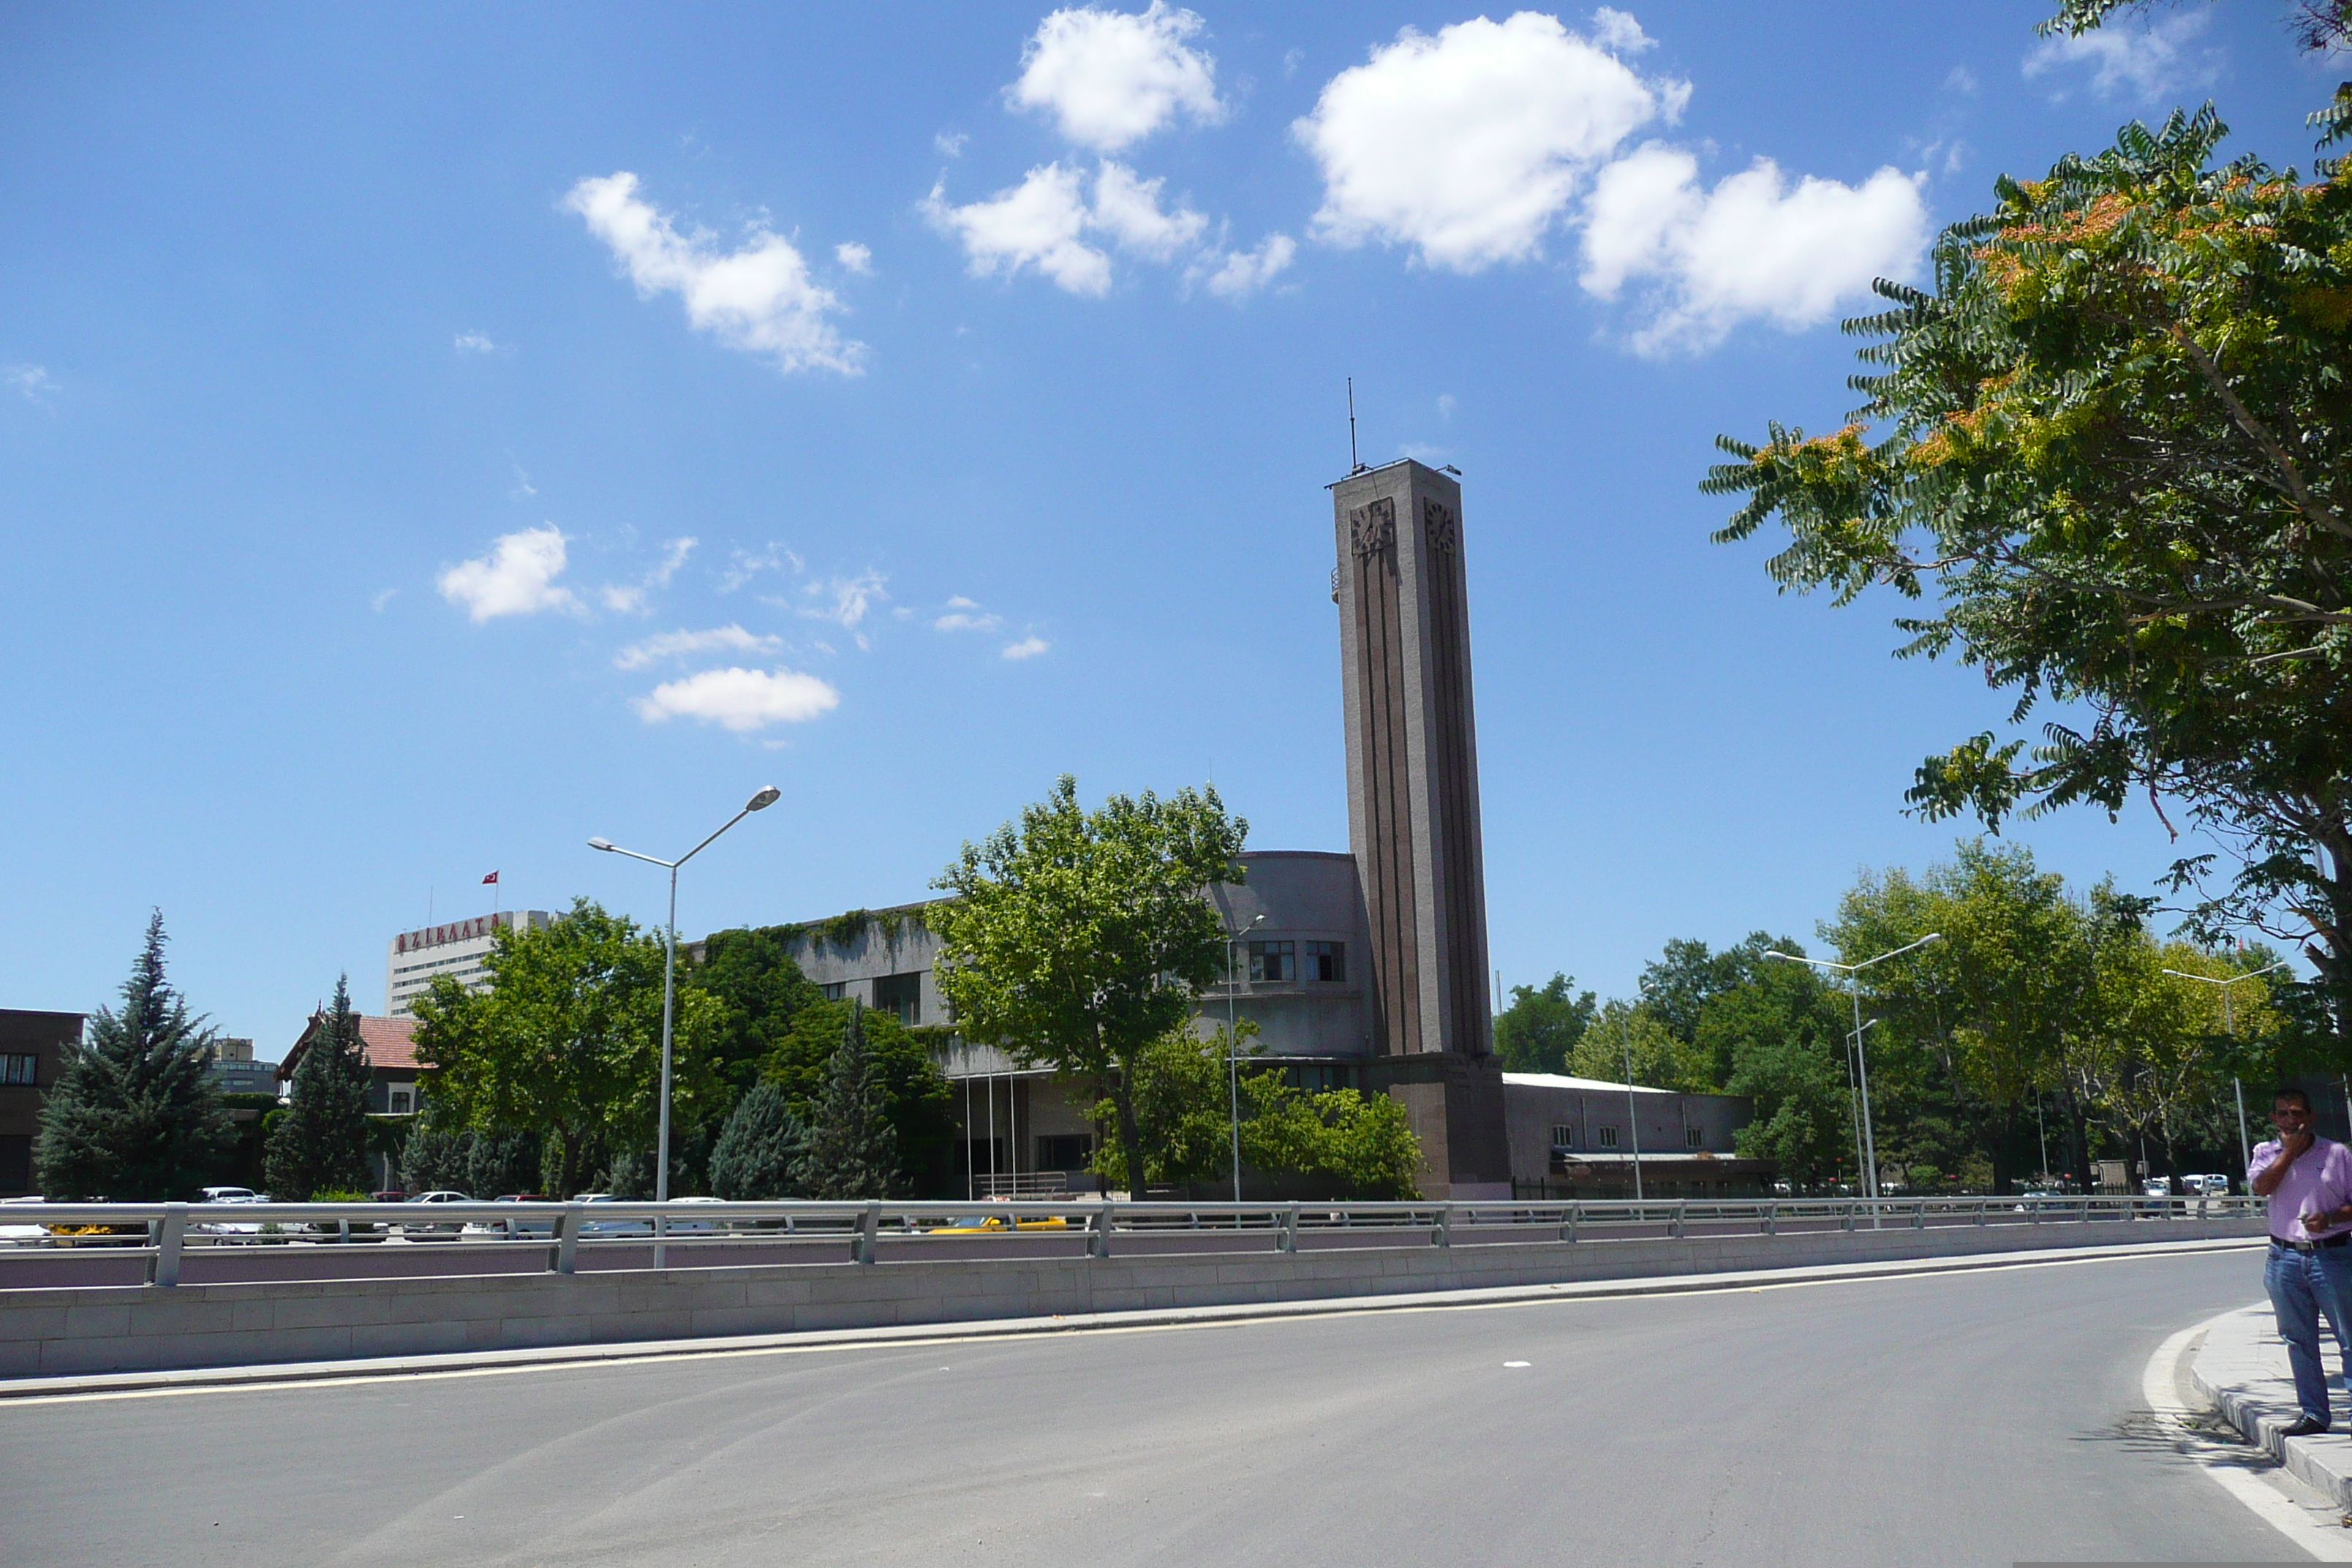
<point x="441" y="1195"/>
<point x="973" y="1223"/>
<point x="519" y="1228"/>
<point x="2211" y="1186"/>
<point x="608" y="1227"/>
<point x="2156" y="1187"/>
<point x="233" y="1195"/>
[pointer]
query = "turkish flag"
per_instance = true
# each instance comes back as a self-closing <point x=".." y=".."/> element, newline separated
<point x="492" y="878"/>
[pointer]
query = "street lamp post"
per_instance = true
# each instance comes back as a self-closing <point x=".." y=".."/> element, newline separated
<point x="1632" y="1114"/>
<point x="1852" y="973"/>
<point x="2230" y="1027"/>
<point x="1233" y="1045"/>
<point x="766" y="797"/>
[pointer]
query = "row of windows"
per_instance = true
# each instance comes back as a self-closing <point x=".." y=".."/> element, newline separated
<point x="474" y="958"/>
<point x="1277" y="961"/>
<point x="16" y="1069"/>
<point x="900" y="996"/>
<point x="1563" y="1136"/>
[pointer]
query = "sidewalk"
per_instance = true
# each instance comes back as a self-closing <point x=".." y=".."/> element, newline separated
<point x="2241" y="1369"/>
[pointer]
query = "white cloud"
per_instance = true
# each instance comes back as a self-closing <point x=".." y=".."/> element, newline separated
<point x="741" y="699"/>
<point x="1446" y="406"/>
<point x="1237" y="275"/>
<point x="1619" y="33"/>
<point x="382" y="597"/>
<point x="854" y="257"/>
<point x="950" y="146"/>
<point x="675" y="644"/>
<point x="1127" y="209"/>
<point x="1291" y="60"/>
<point x="845" y="601"/>
<point x="1752" y="248"/>
<point x="2141" y="61"/>
<point x="1027" y="648"/>
<point x="1110" y="78"/>
<point x="475" y="343"/>
<point x="31" y="381"/>
<point x="1037" y="223"/>
<point x="517" y="578"/>
<point x="1469" y="146"/>
<point x="745" y="564"/>
<point x="758" y="299"/>
<point x="965" y="616"/>
<point x="1961" y="79"/>
<point x="628" y="599"/>
<point x="1045" y="221"/>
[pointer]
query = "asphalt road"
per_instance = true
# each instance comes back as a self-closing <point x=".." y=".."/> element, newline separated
<point x="1984" y="1418"/>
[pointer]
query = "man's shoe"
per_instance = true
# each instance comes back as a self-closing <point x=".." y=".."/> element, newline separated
<point x="2307" y="1426"/>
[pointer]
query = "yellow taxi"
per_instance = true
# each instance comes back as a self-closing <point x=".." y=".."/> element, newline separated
<point x="976" y="1223"/>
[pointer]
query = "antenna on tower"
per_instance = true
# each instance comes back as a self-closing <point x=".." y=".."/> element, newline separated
<point x="1355" y="465"/>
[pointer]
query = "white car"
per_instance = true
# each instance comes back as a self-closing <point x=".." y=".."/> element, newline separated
<point x="609" y="1226"/>
<point x="441" y="1195"/>
<point x="2156" y="1187"/>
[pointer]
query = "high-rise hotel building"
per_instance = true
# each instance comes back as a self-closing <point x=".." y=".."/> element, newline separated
<point x="455" y="950"/>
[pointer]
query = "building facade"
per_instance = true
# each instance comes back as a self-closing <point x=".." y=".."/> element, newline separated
<point x="34" y="1049"/>
<point x="236" y="1072"/>
<point x="414" y="958"/>
<point x="391" y="1048"/>
<point x="1365" y="969"/>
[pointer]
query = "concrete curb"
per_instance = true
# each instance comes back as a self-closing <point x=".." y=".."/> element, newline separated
<point x="2242" y="1370"/>
<point x="196" y="1379"/>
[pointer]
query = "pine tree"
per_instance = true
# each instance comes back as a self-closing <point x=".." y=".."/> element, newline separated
<point x="134" y="1116"/>
<point x="853" y="1150"/>
<point x="759" y="1151"/>
<point x="320" y="1144"/>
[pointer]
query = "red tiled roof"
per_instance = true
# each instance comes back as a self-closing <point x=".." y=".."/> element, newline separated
<point x="388" y="1043"/>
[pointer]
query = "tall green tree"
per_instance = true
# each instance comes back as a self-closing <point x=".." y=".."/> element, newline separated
<point x="135" y="1117"/>
<point x="852" y="1150"/>
<point x="917" y="1098"/>
<point x="2111" y="442"/>
<point x="1781" y="1034"/>
<point x="319" y="1144"/>
<point x="1626" y="1032"/>
<point x="758" y="985"/>
<point x="1078" y="938"/>
<point x="760" y="1150"/>
<point x="1540" y="1027"/>
<point x="566" y="1042"/>
<point x="1183" y="1111"/>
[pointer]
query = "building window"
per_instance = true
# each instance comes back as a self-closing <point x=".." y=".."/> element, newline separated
<point x="901" y="995"/>
<point x="401" y="1098"/>
<point x="1273" y="960"/>
<point x="1327" y="961"/>
<point x="1692" y="1138"/>
<point x="1608" y="1138"/>
<point x="1563" y="1135"/>
<point x="835" y="990"/>
<point x="1065" y="1150"/>
<point x="20" y="1069"/>
<point x="1317" y="1077"/>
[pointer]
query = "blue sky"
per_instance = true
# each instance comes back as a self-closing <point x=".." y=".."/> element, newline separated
<point x="366" y="374"/>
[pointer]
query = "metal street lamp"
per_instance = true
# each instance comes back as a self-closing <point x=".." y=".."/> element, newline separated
<point x="1632" y="1114"/>
<point x="765" y="798"/>
<point x="2230" y="1027"/>
<point x="1852" y="973"/>
<point x="1234" y="1046"/>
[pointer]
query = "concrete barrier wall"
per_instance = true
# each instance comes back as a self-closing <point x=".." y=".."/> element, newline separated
<point x="126" y="1328"/>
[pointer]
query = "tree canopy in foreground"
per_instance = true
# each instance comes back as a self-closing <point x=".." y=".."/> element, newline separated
<point x="1079" y="937"/>
<point x="2112" y="441"/>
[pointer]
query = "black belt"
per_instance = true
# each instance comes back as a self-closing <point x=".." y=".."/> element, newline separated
<point x="2311" y="1245"/>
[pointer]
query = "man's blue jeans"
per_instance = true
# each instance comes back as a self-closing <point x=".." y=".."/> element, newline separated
<point x="2303" y="1285"/>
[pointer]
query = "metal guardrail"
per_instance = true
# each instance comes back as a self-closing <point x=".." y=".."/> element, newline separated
<point x="165" y="1233"/>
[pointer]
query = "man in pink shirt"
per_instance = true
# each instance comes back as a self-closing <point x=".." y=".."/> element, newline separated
<point x="2308" y="1181"/>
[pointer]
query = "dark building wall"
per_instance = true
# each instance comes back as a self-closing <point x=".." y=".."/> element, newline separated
<point x="47" y="1038"/>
